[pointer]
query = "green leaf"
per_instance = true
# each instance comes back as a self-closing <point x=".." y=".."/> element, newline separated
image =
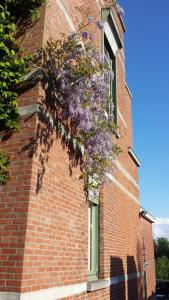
<point x="13" y="52"/>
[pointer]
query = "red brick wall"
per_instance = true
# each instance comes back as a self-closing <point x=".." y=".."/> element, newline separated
<point x="44" y="225"/>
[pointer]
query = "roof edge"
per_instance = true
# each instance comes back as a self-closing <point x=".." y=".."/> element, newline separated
<point x="146" y="215"/>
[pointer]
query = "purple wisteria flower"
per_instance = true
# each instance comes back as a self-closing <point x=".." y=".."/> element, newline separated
<point x="90" y="19"/>
<point x="94" y="77"/>
<point x="100" y="24"/>
<point x="89" y="53"/>
<point x="88" y="86"/>
<point x="106" y="76"/>
<point x="99" y="145"/>
<point x="71" y="35"/>
<point x="111" y="74"/>
<point x="99" y="58"/>
<point x="120" y="10"/>
<point x="79" y="50"/>
<point x="85" y="123"/>
<point x="85" y="35"/>
<point x="63" y="86"/>
<point x="83" y="83"/>
<point x="91" y="37"/>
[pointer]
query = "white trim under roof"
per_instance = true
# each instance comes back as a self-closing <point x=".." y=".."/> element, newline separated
<point x="134" y="157"/>
<point x="146" y="215"/>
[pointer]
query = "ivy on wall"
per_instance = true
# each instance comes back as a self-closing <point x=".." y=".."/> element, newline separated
<point x="4" y="164"/>
<point x="12" y="64"/>
<point x="20" y="10"/>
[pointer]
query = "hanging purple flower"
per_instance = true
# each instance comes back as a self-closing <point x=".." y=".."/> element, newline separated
<point x="90" y="19"/>
<point x="100" y="24"/>
<point x="120" y="10"/>
<point x="94" y="77"/>
<point x="79" y="49"/>
<point x="63" y="86"/>
<point x="91" y="37"/>
<point x="106" y="76"/>
<point x="90" y="53"/>
<point x="88" y="86"/>
<point x="99" y="58"/>
<point x="71" y="35"/>
<point x="85" y="35"/>
<point x="83" y="83"/>
<point x="111" y="74"/>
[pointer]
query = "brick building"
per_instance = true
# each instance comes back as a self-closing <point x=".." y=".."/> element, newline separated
<point x="54" y="243"/>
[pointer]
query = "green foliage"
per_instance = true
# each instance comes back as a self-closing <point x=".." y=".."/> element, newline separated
<point x="12" y="65"/>
<point x="161" y="247"/>
<point x="4" y="163"/>
<point x="21" y="9"/>
<point x="162" y="268"/>
<point x="155" y="248"/>
<point x="161" y="252"/>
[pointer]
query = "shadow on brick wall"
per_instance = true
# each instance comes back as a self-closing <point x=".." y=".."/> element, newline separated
<point x="117" y="288"/>
<point x="52" y="126"/>
<point x="140" y="258"/>
<point x="123" y="286"/>
<point x="132" y="282"/>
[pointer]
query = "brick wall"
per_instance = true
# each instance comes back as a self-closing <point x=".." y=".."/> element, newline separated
<point x="44" y="219"/>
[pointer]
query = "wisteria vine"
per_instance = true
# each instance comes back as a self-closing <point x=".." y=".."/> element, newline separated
<point x="79" y="83"/>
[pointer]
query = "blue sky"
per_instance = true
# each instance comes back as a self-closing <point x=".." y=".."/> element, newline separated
<point x="147" y="66"/>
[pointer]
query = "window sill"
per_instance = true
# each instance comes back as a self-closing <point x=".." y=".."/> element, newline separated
<point x="97" y="285"/>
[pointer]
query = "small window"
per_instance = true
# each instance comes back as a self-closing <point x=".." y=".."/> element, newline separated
<point x="93" y="240"/>
<point x="110" y="63"/>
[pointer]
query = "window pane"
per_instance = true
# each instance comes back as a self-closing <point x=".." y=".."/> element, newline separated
<point x="93" y="239"/>
<point x="110" y="64"/>
<point x="89" y="239"/>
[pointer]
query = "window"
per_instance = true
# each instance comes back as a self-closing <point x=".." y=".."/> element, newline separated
<point x="93" y="238"/>
<point x="110" y="44"/>
<point x="110" y="63"/>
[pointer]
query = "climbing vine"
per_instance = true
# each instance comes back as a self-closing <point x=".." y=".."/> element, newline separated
<point x="12" y="63"/>
<point x="4" y="164"/>
<point x="79" y="84"/>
